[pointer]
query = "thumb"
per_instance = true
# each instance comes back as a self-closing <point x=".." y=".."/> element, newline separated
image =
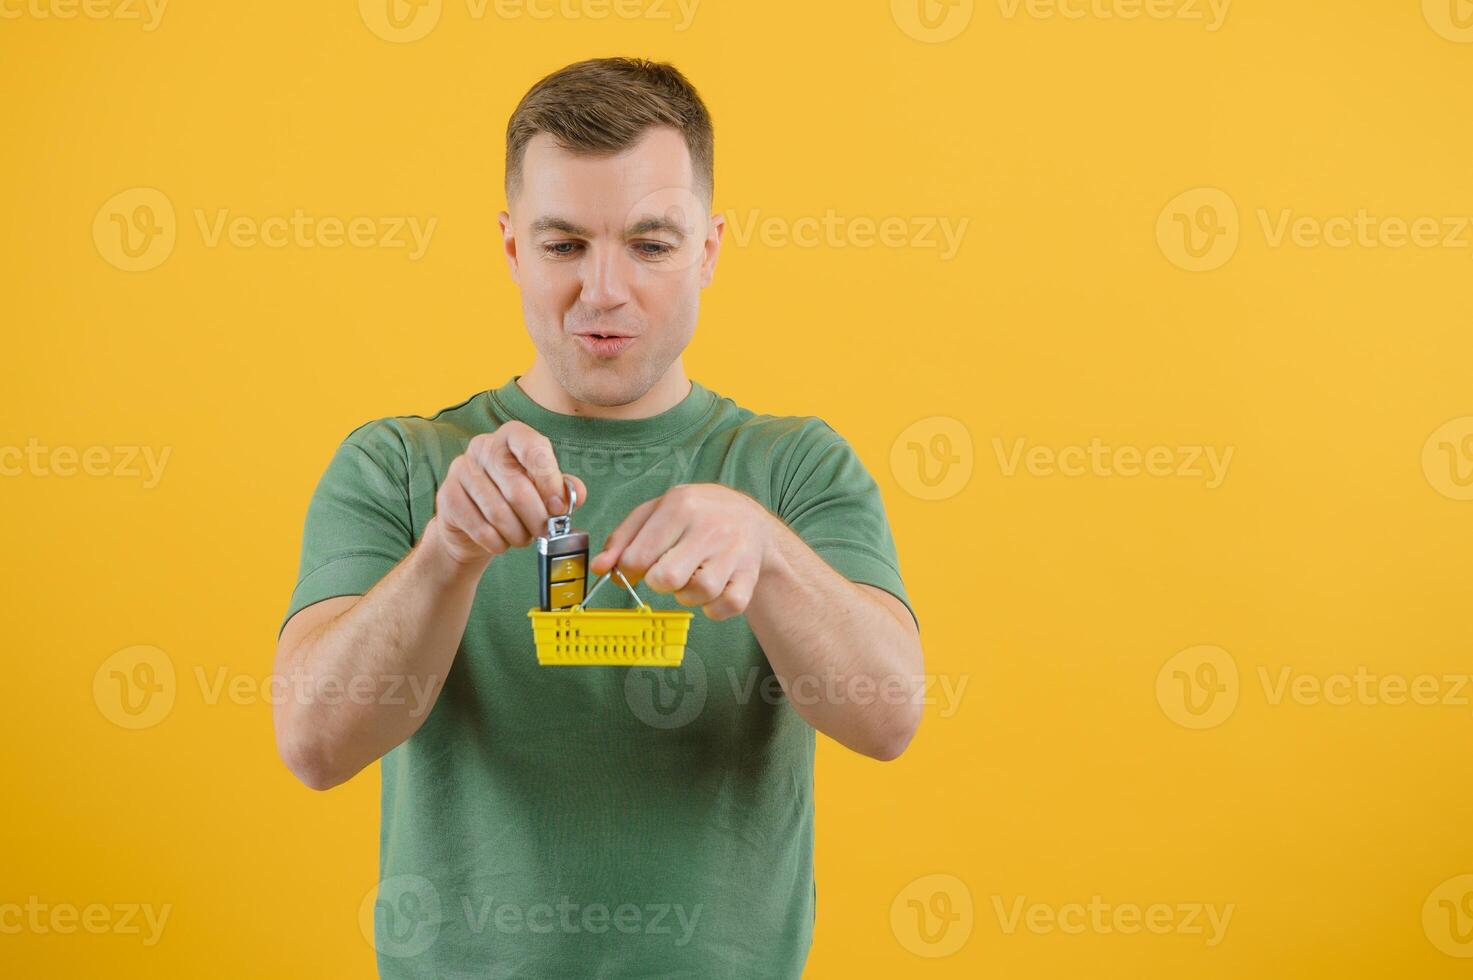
<point x="559" y="503"/>
<point x="621" y="536"/>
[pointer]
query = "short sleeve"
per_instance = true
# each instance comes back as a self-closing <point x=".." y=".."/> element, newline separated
<point x="358" y="524"/>
<point x="830" y="500"/>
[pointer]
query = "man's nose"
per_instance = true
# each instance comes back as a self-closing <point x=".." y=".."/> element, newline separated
<point x="606" y="278"/>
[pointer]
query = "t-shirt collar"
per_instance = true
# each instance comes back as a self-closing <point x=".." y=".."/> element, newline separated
<point x="584" y="430"/>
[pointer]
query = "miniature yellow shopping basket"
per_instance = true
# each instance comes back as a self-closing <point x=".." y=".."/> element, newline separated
<point x="641" y="637"/>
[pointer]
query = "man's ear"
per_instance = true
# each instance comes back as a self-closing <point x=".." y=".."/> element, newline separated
<point x="715" y="228"/>
<point x="509" y="244"/>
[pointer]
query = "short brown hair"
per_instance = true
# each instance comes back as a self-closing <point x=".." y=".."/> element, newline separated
<point x="603" y="106"/>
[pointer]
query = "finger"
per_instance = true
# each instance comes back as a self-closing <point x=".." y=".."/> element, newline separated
<point x="464" y="517"/>
<point x="620" y="537"/>
<point x="516" y="487"/>
<point x="735" y="598"/>
<point x="534" y="452"/>
<point x="706" y="582"/>
<point x="558" y="505"/>
<point x="526" y="504"/>
<point x="492" y="507"/>
<point x="671" y="571"/>
<point x="660" y="532"/>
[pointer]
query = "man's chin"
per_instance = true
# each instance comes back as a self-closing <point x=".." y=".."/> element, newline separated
<point x="601" y="383"/>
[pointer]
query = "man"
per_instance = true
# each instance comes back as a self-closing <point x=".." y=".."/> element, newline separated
<point x="597" y="821"/>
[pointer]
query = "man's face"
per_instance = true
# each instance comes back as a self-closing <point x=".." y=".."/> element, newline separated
<point x="612" y="246"/>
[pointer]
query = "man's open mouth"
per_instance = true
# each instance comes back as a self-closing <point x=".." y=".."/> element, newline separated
<point x="604" y="344"/>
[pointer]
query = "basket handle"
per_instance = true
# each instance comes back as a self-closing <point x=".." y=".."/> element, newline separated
<point x="613" y="571"/>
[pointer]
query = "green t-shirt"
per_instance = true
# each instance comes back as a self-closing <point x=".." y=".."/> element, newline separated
<point x="560" y="822"/>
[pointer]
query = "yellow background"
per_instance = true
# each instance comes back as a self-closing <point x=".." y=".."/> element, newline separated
<point x="1334" y="542"/>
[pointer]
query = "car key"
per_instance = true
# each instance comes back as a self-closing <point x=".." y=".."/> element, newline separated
<point x="562" y="560"/>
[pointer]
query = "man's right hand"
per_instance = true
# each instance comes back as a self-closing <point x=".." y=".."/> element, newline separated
<point x="499" y="493"/>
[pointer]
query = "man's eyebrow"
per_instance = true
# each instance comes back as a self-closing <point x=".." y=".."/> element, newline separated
<point x="552" y="223"/>
<point x="641" y="227"/>
<point x="646" y="225"/>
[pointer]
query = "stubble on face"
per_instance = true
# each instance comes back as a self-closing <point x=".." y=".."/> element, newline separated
<point x="624" y="379"/>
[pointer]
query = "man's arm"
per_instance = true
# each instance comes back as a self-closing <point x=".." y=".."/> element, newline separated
<point x="847" y="654"/>
<point x="337" y="658"/>
<point x="850" y="662"/>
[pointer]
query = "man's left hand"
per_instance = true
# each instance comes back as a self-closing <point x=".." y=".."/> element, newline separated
<point x="705" y="542"/>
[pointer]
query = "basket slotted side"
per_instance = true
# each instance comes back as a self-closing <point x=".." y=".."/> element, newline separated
<point x="610" y="637"/>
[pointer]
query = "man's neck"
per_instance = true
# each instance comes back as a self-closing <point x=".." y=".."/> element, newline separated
<point x="543" y="388"/>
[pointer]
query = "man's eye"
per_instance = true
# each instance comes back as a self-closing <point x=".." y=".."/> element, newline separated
<point x="653" y="250"/>
<point x="560" y="250"/>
